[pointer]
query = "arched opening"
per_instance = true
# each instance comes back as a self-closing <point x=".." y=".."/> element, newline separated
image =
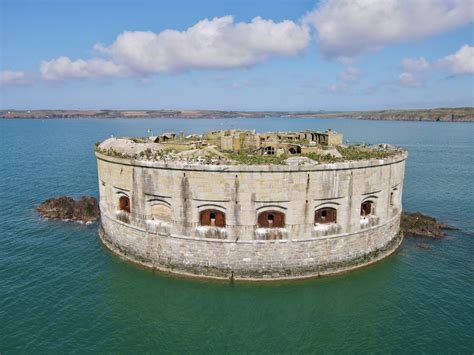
<point x="213" y="218"/>
<point x="271" y="219"/>
<point x="161" y="212"/>
<point x="366" y="208"/>
<point x="269" y="150"/>
<point x="325" y="215"/>
<point x="294" y="150"/>
<point x="124" y="204"/>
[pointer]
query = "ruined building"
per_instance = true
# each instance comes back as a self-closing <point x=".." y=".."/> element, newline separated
<point x="274" y="143"/>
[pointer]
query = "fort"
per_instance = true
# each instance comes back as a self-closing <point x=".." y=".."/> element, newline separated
<point x="250" y="206"/>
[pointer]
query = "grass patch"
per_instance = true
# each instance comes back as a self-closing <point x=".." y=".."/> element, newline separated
<point x="111" y="152"/>
<point x="356" y="152"/>
<point x="253" y="159"/>
<point x="322" y="158"/>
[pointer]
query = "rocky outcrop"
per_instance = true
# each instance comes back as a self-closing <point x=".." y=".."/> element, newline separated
<point x="85" y="210"/>
<point x="419" y="225"/>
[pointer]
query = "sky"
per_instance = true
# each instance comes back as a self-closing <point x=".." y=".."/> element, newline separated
<point x="236" y="54"/>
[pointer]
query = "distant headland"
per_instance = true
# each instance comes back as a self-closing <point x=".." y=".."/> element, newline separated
<point x="460" y="114"/>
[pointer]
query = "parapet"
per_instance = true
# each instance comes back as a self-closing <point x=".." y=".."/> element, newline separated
<point x="245" y="147"/>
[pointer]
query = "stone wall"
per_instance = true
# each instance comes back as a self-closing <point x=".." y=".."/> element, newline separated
<point x="241" y="192"/>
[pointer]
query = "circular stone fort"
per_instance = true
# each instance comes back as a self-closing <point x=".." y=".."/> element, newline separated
<point x="250" y="206"/>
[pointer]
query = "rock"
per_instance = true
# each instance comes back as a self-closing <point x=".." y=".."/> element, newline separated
<point x="423" y="246"/>
<point x="419" y="225"/>
<point x="295" y="161"/>
<point x="65" y="208"/>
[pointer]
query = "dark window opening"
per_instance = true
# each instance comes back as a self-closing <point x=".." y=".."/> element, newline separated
<point x="213" y="218"/>
<point x="269" y="151"/>
<point x="366" y="208"/>
<point x="392" y="195"/>
<point x="271" y="219"/>
<point x="325" y="215"/>
<point x="295" y="150"/>
<point x="124" y="204"/>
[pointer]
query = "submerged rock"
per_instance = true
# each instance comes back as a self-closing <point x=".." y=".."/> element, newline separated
<point x="65" y="208"/>
<point x="423" y="246"/>
<point x="419" y="225"/>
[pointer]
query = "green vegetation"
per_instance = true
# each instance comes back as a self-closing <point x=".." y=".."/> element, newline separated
<point x="146" y="154"/>
<point x="249" y="158"/>
<point x="139" y="140"/>
<point x="322" y="158"/>
<point x="111" y="152"/>
<point x="357" y="152"/>
<point x="348" y="153"/>
<point x="149" y="154"/>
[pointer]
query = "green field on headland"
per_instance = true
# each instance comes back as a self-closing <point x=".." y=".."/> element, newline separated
<point x="461" y="114"/>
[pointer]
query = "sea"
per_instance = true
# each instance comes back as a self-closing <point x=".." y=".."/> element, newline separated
<point x="62" y="292"/>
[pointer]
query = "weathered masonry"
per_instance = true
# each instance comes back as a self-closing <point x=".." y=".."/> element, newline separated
<point x="250" y="221"/>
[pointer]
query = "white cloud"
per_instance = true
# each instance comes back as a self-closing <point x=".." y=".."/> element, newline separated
<point x="461" y="62"/>
<point x="337" y="88"/>
<point x="209" y="44"/>
<point x="351" y="74"/>
<point x="10" y="78"/>
<point x="347" y="79"/>
<point x="414" y="71"/>
<point x="350" y="27"/>
<point x="64" y="68"/>
<point x="409" y="79"/>
<point x="415" y="64"/>
<point x="237" y="85"/>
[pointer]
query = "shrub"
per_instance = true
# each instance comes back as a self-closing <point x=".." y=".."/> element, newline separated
<point x="322" y="158"/>
<point x="356" y="152"/>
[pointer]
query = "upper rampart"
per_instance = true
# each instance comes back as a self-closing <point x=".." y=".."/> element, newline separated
<point x="245" y="148"/>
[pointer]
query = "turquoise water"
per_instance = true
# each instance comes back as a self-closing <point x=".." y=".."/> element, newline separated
<point x="60" y="291"/>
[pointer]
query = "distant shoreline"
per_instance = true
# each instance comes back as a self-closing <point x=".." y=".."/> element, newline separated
<point x="462" y="114"/>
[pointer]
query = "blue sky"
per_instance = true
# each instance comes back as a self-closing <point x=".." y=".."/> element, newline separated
<point x="236" y="55"/>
